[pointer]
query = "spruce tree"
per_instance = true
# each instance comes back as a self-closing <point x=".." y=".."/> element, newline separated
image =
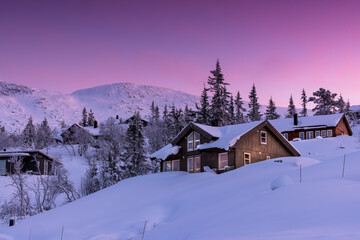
<point x="254" y="106"/>
<point x="291" y="108"/>
<point x="44" y="135"/>
<point x="155" y="112"/>
<point x="304" y="100"/>
<point x="135" y="155"/>
<point x="84" y="120"/>
<point x="341" y="105"/>
<point x="325" y="102"/>
<point x="232" y="117"/>
<point x="91" y="119"/>
<point x="239" y="109"/>
<point x="219" y="102"/>
<point x="29" y="134"/>
<point x="203" y="111"/>
<point x="176" y="119"/>
<point x="188" y="115"/>
<point x="271" y="113"/>
<point x="347" y="108"/>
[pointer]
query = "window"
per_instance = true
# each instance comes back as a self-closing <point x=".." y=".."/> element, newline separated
<point x="329" y="133"/>
<point x="247" y="158"/>
<point x="263" y="137"/>
<point x="193" y="141"/>
<point x="286" y="135"/>
<point x="317" y="133"/>
<point x="301" y="135"/>
<point x="176" y="165"/>
<point x="323" y="133"/>
<point x="194" y="164"/>
<point x="267" y="157"/>
<point x="309" y="135"/>
<point x="223" y="160"/>
<point x="46" y="167"/>
<point x="2" y="167"/>
<point x="167" y="166"/>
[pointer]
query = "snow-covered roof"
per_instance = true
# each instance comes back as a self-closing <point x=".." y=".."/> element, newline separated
<point x="320" y="121"/>
<point x="14" y="154"/>
<point x="227" y="135"/>
<point x="93" y="131"/>
<point x="166" y="151"/>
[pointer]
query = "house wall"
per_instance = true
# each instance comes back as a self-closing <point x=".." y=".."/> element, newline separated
<point x="341" y="128"/>
<point x="250" y="143"/>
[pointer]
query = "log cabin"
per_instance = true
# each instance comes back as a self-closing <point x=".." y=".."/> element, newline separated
<point x="73" y="134"/>
<point x="223" y="148"/>
<point x="33" y="162"/>
<point x="313" y="126"/>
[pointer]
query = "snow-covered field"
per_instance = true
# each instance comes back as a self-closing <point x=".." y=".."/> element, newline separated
<point x="235" y="205"/>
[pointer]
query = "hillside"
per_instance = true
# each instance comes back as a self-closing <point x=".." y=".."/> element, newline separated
<point x="234" y="205"/>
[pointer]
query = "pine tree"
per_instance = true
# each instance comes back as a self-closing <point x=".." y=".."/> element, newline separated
<point x="271" y="113"/>
<point x="135" y="155"/>
<point x="254" y="106"/>
<point x="166" y="118"/>
<point x="232" y="117"/>
<point x="188" y="115"/>
<point x="304" y="100"/>
<point x="155" y="112"/>
<point x="291" y="108"/>
<point x="29" y="134"/>
<point x="219" y="102"/>
<point x="239" y="109"/>
<point x="176" y="119"/>
<point x="203" y="110"/>
<point x="44" y="135"/>
<point x="341" y="105"/>
<point x="91" y="119"/>
<point x="84" y="120"/>
<point x="325" y="102"/>
<point x="347" y="108"/>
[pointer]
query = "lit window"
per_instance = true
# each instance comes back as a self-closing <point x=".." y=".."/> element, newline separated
<point x="176" y="165"/>
<point x="267" y="157"/>
<point x="247" y="158"/>
<point x="263" y="137"/>
<point x="190" y="141"/>
<point x="323" y="133"/>
<point x="223" y="160"/>
<point x="309" y="135"/>
<point x="317" y="133"/>
<point x="301" y="135"/>
<point x="167" y="166"/>
<point x="286" y="135"/>
<point x="193" y="141"/>
<point x="190" y="164"/>
<point x="329" y="133"/>
<point x="194" y="164"/>
<point x="197" y="164"/>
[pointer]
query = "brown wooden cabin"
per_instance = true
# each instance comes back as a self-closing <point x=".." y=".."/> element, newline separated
<point x="34" y="162"/>
<point x="72" y="133"/>
<point x="313" y="126"/>
<point x="222" y="148"/>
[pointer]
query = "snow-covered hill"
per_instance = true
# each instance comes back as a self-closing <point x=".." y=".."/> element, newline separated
<point x="235" y="205"/>
<point x="18" y="103"/>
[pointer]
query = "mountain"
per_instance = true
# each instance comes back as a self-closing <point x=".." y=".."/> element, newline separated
<point x="18" y="103"/>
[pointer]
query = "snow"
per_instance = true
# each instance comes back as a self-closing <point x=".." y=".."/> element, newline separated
<point x="238" y="204"/>
<point x="166" y="151"/>
<point x="287" y="124"/>
<point x="281" y="182"/>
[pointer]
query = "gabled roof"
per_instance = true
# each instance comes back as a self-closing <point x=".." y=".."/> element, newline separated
<point x="166" y="151"/>
<point x="91" y="130"/>
<point x="23" y="153"/>
<point x="320" y="121"/>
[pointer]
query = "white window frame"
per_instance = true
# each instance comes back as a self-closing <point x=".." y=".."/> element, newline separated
<point x="261" y="137"/>
<point x="194" y="167"/>
<point x="286" y="135"/>
<point x="190" y="139"/>
<point x="219" y="160"/>
<point x="317" y="133"/>
<point x="196" y="141"/>
<point x="3" y="170"/>
<point x="188" y="165"/>
<point x="323" y="133"/>
<point x="303" y="135"/>
<point x="165" y="165"/>
<point x="172" y="164"/>
<point x="309" y="135"/>
<point x="329" y="131"/>
<point x="248" y="158"/>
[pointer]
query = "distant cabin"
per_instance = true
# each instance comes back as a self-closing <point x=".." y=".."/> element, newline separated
<point x="222" y="148"/>
<point x="34" y="162"/>
<point x="131" y="119"/>
<point x="71" y="133"/>
<point x="313" y="126"/>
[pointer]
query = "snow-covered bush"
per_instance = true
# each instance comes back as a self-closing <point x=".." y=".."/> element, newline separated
<point x="281" y="182"/>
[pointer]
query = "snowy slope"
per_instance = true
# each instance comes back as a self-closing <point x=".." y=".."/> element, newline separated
<point x="234" y="205"/>
<point x="18" y="102"/>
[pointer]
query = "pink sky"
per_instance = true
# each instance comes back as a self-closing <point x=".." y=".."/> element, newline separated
<point x="281" y="46"/>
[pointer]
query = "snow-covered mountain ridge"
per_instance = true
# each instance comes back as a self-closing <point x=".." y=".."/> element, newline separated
<point x="18" y="103"/>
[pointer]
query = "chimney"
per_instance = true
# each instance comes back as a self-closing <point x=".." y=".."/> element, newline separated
<point x="4" y="149"/>
<point x="95" y="124"/>
<point x="296" y="120"/>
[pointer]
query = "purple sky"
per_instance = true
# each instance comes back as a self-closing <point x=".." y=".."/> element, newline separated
<point x="281" y="46"/>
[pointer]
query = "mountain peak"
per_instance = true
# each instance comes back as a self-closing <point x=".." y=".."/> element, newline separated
<point x="10" y="89"/>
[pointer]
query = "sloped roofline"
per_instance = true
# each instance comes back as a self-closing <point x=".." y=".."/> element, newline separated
<point x="187" y="128"/>
<point x="347" y="124"/>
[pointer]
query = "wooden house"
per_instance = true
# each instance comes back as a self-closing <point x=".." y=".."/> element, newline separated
<point x="221" y="148"/>
<point x="313" y="126"/>
<point x="33" y="161"/>
<point x="75" y="131"/>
